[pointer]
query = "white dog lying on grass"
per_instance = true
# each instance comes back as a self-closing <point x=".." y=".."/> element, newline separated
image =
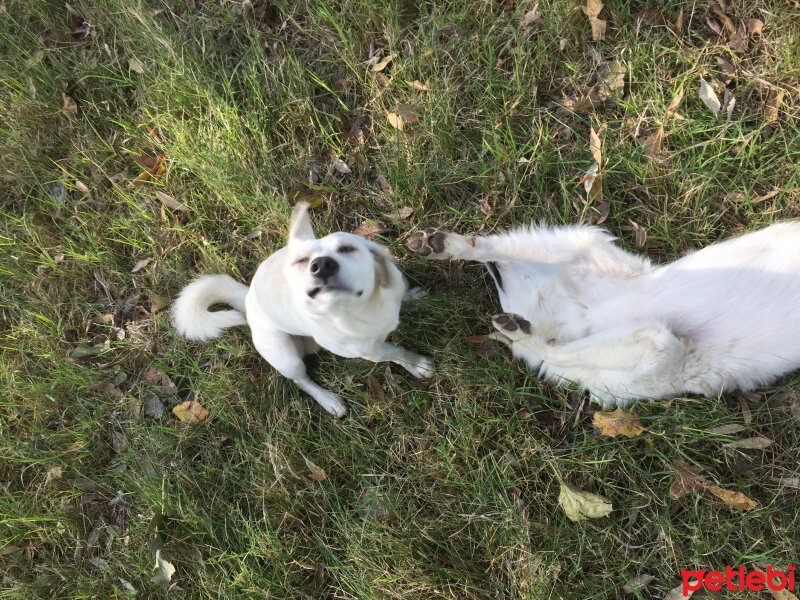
<point x="579" y="309"/>
<point x="341" y="293"/>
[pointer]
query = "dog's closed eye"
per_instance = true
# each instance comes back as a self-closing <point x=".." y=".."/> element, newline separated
<point x="346" y="249"/>
<point x="300" y="261"/>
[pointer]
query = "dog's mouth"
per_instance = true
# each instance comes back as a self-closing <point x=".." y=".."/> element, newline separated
<point x="328" y="288"/>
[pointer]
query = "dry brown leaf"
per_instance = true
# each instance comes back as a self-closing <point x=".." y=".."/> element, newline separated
<point x="136" y="65"/>
<point x="402" y="116"/>
<point x="317" y="472"/>
<point x="612" y="424"/>
<point x="652" y="145"/>
<point x="714" y="25"/>
<point x="371" y="229"/>
<point x="341" y="166"/>
<point x="637" y="583"/>
<point x="753" y="443"/>
<point x="592" y="10"/>
<point x="709" y="96"/>
<point x="595" y="146"/>
<point x="374" y="389"/>
<point x="190" y="411"/>
<point x="476" y="339"/>
<point x="530" y="17"/>
<point x="754" y="26"/>
<point x="170" y="202"/>
<point x="141" y="265"/>
<point x="773" y="103"/>
<point x="676" y="102"/>
<point x="679" y="23"/>
<point x="726" y="20"/>
<point x="727" y="68"/>
<point x="651" y="16"/>
<point x="688" y="479"/>
<point x="417" y="85"/>
<point x="153" y="374"/>
<point x="727" y="429"/>
<point x="640" y="234"/>
<point x="152" y="171"/>
<point x="108" y="388"/>
<point x="401" y="213"/>
<point x="779" y="594"/>
<point x="69" y="107"/>
<point x="355" y="130"/>
<point x="81" y="187"/>
<point x="768" y="195"/>
<point x="157" y="302"/>
<point x="382" y="64"/>
<point x="579" y="505"/>
<point x="738" y="40"/>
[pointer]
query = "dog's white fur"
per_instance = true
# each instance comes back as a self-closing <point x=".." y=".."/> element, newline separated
<point x="723" y="318"/>
<point x="291" y="312"/>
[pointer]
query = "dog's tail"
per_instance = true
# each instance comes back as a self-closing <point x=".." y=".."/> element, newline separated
<point x="194" y="321"/>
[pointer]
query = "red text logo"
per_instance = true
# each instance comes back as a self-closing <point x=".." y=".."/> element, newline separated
<point x="737" y="579"/>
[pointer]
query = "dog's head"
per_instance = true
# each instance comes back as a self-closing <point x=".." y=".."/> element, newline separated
<point x="339" y="269"/>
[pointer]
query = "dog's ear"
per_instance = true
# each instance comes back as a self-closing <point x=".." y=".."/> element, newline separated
<point x="386" y="273"/>
<point x="300" y="224"/>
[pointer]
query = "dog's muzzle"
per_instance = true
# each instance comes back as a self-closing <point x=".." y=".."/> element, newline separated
<point x="323" y="267"/>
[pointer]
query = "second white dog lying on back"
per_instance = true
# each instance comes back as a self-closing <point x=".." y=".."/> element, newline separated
<point x="583" y="310"/>
<point x="340" y="292"/>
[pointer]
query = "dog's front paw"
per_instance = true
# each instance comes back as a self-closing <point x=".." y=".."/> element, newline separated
<point x="421" y="368"/>
<point x="332" y="403"/>
<point x="514" y="327"/>
<point x="429" y="243"/>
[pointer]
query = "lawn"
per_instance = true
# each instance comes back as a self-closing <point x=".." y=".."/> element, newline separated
<point x="145" y="142"/>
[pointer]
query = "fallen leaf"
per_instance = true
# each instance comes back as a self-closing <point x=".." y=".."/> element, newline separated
<point x="154" y="407"/>
<point x="579" y="505"/>
<point x="108" y="388"/>
<point x="81" y="187"/>
<point x="679" y="23"/>
<point x="592" y="10"/>
<point x="382" y="79"/>
<point x="637" y="583"/>
<point x="728" y="102"/>
<point x="308" y="192"/>
<point x="754" y="443"/>
<point x="530" y="17"/>
<point x="341" y="166"/>
<point x="157" y="302"/>
<point x="317" y="473"/>
<point x="747" y="415"/>
<point x="190" y="412"/>
<point x="754" y="26"/>
<point x="153" y="374"/>
<point x="708" y="96"/>
<point x="688" y="479"/>
<point x="417" y="85"/>
<point x="52" y="474"/>
<point x="162" y="571"/>
<point x="676" y="593"/>
<point x="612" y="424"/>
<point x="151" y="171"/>
<point x="382" y="64"/>
<point x="401" y="213"/>
<point x="371" y="229"/>
<point x="727" y="429"/>
<point x="768" y="196"/>
<point x="136" y="65"/>
<point x="773" y="103"/>
<point x="402" y="116"/>
<point x="593" y="185"/>
<point x="651" y="16"/>
<point x="738" y="40"/>
<point x="640" y="234"/>
<point x="170" y="202"/>
<point x="652" y="145"/>
<point x="476" y="339"/>
<point x="118" y="442"/>
<point x="675" y="103"/>
<point x="594" y="146"/>
<point x="374" y="389"/>
<point x="714" y="25"/>
<point x="141" y="265"/>
<point x="724" y="18"/>
<point x="727" y="68"/>
<point x="75" y="446"/>
<point x="355" y="130"/>
<point x="69" y="107"/>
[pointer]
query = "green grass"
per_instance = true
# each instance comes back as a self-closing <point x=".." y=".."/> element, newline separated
<point x="442" y="490"/>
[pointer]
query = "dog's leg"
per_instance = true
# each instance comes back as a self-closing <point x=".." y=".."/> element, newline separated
<point x="285" y="353"/>
<point x="415" y="293"/>
<point x="419" y="366"/>
<point x="636" y="349"/>
<point x="541" y="245"/>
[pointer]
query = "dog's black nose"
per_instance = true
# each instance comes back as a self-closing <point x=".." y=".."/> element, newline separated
<point x="323" y="267"/>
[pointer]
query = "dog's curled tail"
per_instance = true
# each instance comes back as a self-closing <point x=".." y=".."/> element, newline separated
<point x="192" y="318"/>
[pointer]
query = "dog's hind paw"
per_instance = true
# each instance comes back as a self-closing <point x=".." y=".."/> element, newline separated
<point x="429" y="243"/>
<point x="421" y="368"/>
<point x="514" y="327"/>
<point x="332" y="403"/>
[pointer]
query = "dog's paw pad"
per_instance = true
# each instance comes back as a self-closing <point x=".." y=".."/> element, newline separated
<point x="511" y="323"/>
<point x="427" y="242"/>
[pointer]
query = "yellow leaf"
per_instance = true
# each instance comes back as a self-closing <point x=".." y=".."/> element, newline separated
<point x="616" y="423"/>
<point x="733" y="498"/>
<point x="162" y="571"/>
<point x="380" y="66"/>
<point x="417" y="85"/>
<point x="594" y="146"/>
<point x="592" y="10"/>
<point x="689" y="479"/>
<point x="190" y="412"/>
<point x="773" y="103"/>
<point x="70" y="107"/>
<point x="579" y="505"/>
<point x="317" y="473"/>
<point x="307" y="192"/>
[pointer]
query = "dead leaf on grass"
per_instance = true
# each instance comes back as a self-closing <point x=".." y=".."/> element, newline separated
<point x="679" y="23"/>
<point x="675" y="103"/>
<point x="190" y="411"/>
<point x="317" y="472"/>
<point x="417" y="85"/>
<point x="709" y="96"/>
<point x="141" y="265"/>
<point x="136" y="65"/>
<point x="652" y="145"/>
<point x="688" y="479"/>
<point x="401" y="117"/>
<point x="676" y="593"/>
<point x="753" y="443"/>
<point x="651" y="16"/>
<point x="530" y="17"/>
<point x="341" y="166"/>
<point x="592" y="11"/>
<point x="754" y="26"/>
<point x="579" y="505"/>
<point x="773" y="104"/>
<point x="401" y="213"/>
<point x="727" y="429"/>
<point x="314" y="194"/>
<point x="154" y="168"/>
<point x="69" y="106"/>
<point x="637" y="583"/>
<point x="170" y="202"/>
<point x="595" y="146"/>
<point x="640" y="234"/>
<point x="371" y="229"/>
<point x="382" y="64"/>
<point x="728" y="102"/>
<point x="768" y="196"/>
<point x="374" y="389"/>
<point x="618" y="422"/>
<point x="162" y="571"/>
<point x="727" y="68"/>
<point x="714" y="25"/>
<point x="738" y="40"/>
<point x="157" y="302"/>
<point x="724" y="18"/>
<point x="108" y="388"/>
